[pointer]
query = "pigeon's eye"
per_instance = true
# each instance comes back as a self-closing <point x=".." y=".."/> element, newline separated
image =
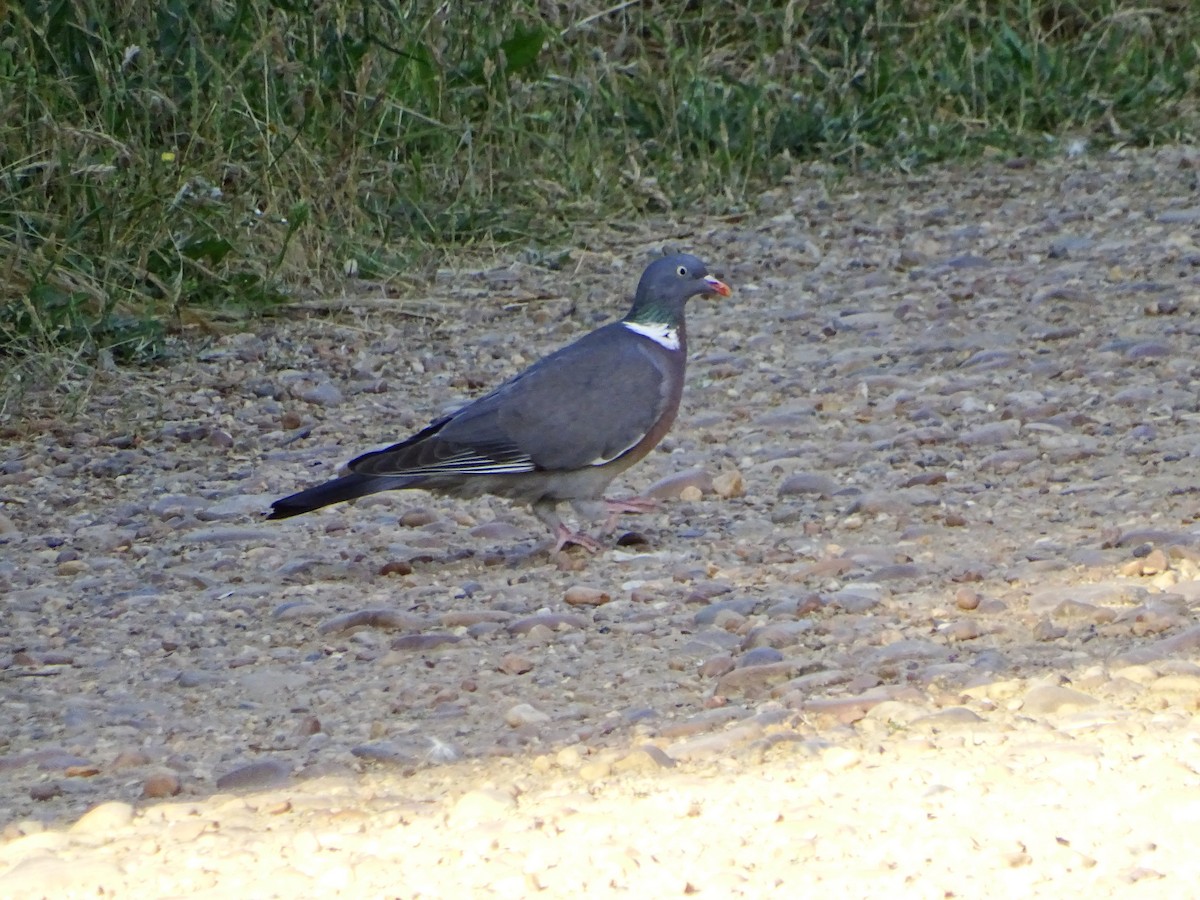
<point x="682" y="271"/>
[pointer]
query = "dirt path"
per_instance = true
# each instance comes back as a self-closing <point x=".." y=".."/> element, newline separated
<point x="917" y="617"/>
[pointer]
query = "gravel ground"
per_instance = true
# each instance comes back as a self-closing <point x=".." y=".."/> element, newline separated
<point x="917" y="614"/>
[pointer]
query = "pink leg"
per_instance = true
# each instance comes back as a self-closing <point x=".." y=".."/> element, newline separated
<point x="564" y="535"/>
<point x="631" y="505"/>
<point x="546" y="511"/>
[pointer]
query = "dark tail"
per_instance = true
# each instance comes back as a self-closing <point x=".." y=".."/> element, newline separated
<point x="347" y="487"/>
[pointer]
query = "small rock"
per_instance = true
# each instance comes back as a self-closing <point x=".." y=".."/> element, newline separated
<point x="323" y="393"/>
<point x="716" y="666"/>
<point x="729" y="485"/>
<point x="947" y="719"/>
<point x="386" y="753"/>
<point x="190" y="678"/>
<point x="708" y="616"/>
<point x="550" y="621"/>
<point x="396" y="567"/>
<point x="595" y="769"/>
<point x="647" y="758"/>
<point x="307" y="726"/>
<point x="856" y="599"/>
<point x="778" y="634"/>
<point x="497" y="531"/>
<point x="426" y="641"/>
<point x="524" y="714"/>
<point x="1155" y="562"/>
<point x="515" y="664"/>
<point x="583" y="595"/>
<point x="1050" y="698"/>
<point x="759" y="656"/>
<point x="808" y="483"/>
<point x="967" y="598"/>
<point x="467" y="618"/>
<point x="1045" y="630"/>
<point x="259" y="774"/>
<point x="1077" y="609"/>
<point x="47" y="790"/>
<point x="755" y="681"/>
<point x="963" y="630"/>
<point x="386" y="619"/>
<point x="160" y="785"/>
<point x="104" y="818"/>
<point x="482" y="805"/>
<point x="417" y="518"/>
<point x="129" y="759"/>
<point x="715" y="745"/>
<point x="1181" y="683"/>
<point x="673" y="486"/>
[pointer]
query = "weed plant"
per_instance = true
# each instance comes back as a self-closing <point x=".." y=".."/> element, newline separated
<point x="163" y="163"/>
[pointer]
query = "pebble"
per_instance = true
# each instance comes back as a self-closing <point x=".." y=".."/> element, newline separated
<point x="549" y="621"/>
<point x="704" y="721"/>
<point x="515" y="664"/>
<point x="497" y="531"/>
<point x="585" y="595"/>
<point x="778" y="634"/>
<point x="713" y="745"/>
<point x="729" y="485"/>
<point x="670" y="487"/>
<point x="966" y="598"/>
<point x="716" y="666"/>
<point x="323" y="393"/>
<point x="759" y="656"/>
<point x="161" y="785"/>
<point x="709" y="614"/>
<point x="46" y="790"/>
<point x="1051" y="699"/>
<point x="467" y="618"/>
<point x="387" y="753"/>
<point x="647" y="758"/>
<point x="385" y="619"/>
<point x="420" y="642"/>
<point x="1184" y="642"/>
<point x="856" y="600"/>
<point x="482" y="805"/>
<point x="962" y="630"/>
<point x="50" y="877"/>
<point x="524" y="714"/>
<point x="129" y="759"/>
<point x="808" y="483"/>
<point x="254" y="775"/>
<point x="104" y="818"/>
<point x="756" y="680"/>
<point x="236" y="507"/>
<point x="909" y="649"/>
<point x="949" y="719"/>
<point x="1046" y="630"/>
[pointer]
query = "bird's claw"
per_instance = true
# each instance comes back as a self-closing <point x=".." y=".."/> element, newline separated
<point x="564" y="536"/>
<point x="630" y="505"/>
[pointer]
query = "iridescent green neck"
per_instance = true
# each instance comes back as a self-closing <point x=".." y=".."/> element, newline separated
<point x="655" y="311"/>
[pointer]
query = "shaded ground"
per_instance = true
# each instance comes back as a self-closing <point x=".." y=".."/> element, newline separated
<point x="917" y="614"/>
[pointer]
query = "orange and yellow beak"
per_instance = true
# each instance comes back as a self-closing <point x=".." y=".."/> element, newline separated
<point x="718" y="286"/>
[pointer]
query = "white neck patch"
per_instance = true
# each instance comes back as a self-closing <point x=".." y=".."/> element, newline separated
<point x="663" y="335"/>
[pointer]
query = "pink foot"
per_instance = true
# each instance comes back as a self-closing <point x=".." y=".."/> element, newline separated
<point x="564" y="535"/>
<point x="632" y="505"/>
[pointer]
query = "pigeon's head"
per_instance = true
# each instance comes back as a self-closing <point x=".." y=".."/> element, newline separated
<point x="666" y="286"/>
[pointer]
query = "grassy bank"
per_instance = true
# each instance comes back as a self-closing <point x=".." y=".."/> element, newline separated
<point x="159" y="161"/>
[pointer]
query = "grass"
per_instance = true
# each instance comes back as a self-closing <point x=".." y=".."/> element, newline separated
<point x="162" y="165"/>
